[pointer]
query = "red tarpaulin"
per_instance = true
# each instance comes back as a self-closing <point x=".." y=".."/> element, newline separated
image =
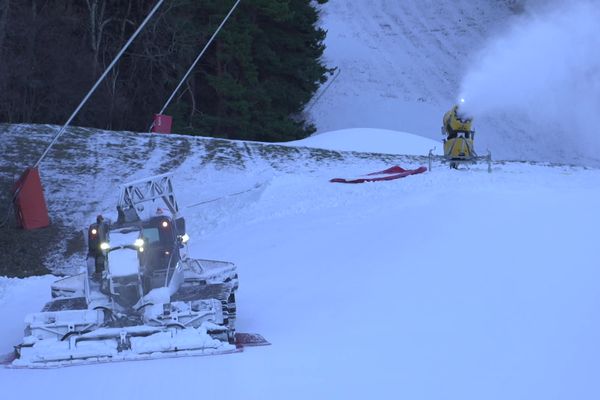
<point x="389" y="174"/>
<point x="29" y="202"/>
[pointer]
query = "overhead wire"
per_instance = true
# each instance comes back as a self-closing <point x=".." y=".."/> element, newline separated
<point x="100" y="79"/>
<point x="193" y="66"/>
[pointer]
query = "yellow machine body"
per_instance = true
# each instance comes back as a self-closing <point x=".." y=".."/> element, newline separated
<point x="452" y="122"/>
<point x="459" y="148"/>
<point x="458" y="144"/>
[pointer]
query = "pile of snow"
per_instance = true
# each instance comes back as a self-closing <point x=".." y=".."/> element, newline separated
<point x="123" y="262"/>
<point x="368" y="140"/>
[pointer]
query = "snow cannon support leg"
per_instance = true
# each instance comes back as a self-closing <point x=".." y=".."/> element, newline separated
<point x="430" y="157"/>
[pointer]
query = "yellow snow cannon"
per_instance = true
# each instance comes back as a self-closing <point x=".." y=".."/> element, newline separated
<point x="458" y="143"/>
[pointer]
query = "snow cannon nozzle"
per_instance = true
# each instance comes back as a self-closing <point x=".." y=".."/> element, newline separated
<point x="461" y="113"/>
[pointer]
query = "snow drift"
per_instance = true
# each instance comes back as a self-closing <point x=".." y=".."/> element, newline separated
<point x="369" y="140"/>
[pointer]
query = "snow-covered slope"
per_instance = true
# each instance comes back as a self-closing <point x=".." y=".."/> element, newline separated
<point x="449" y="284"/>
<point x="367" y="140"/>
<point x="401" y="64"/>
<point x="83" y="172"/>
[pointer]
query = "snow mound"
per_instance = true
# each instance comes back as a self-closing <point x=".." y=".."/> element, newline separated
<point x="369" y="140"/>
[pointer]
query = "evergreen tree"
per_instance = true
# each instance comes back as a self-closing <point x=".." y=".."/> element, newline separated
<point x="263" y="69"/>
<point x="252" y="84"/>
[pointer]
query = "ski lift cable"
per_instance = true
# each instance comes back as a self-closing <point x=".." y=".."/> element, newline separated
<point x="93" y="89"/>
<point x="256" y="186"/>
<point x="189" y="71"/>
<point x="317" y="98"/>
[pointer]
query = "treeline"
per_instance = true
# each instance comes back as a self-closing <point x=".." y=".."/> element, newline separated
<point x="253" y="82"/>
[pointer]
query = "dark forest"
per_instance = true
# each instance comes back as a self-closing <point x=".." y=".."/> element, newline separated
<point x="252" y="83"/>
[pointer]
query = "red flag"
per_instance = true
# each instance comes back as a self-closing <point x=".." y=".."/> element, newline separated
<point x="395" y="172"/>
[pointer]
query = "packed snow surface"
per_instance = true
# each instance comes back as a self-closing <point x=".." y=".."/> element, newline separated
<point x="448" y="284"/>
<point x="371" y="141"/>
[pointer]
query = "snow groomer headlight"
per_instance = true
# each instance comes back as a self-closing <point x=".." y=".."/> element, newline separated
<point x="139" y="242"/>
<point x="104" y="246"/>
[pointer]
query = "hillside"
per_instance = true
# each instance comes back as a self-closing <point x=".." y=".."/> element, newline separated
<point x="447" y="284"/>
<point x="402" y="64"/>
<point x="442" y="285"/>
<point x="82" y="173"/>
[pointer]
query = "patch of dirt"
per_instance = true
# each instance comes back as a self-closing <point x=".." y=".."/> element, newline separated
<point x="23" y="252"/>
<point x="75" y="244"/>
<point x="176" y="155"/>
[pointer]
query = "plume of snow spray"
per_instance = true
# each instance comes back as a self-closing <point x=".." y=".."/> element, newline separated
<point x="547" y="66"/>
